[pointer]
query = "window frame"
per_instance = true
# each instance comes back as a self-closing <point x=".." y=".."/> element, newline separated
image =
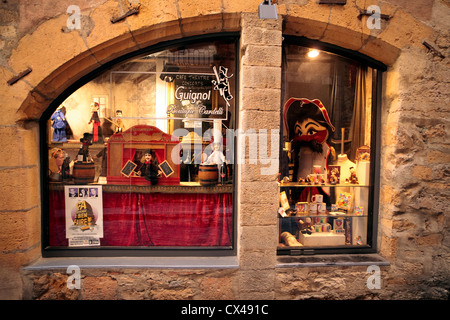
<point x="48" y="251"/>
<point x="375" y="149"/>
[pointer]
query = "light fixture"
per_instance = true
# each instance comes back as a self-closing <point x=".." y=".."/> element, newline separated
<point x="267" y="10"/>
<point x="313" y="53"/>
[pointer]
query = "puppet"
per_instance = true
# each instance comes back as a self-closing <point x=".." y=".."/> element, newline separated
<point x="309" y="127"/>
<point x="120" y="127"/>
<point x="96" y="125"/>
<point x="217" y="157"/>
<point x="86" y="141"/>
<point x="150" y="169"/>
<point x="59" y="125"/>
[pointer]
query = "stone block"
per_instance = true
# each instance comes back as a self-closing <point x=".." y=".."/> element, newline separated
<point x="258" y="238"/>
<point x="20" y="146"/>
<point x="122" y="45"/>
<point x="260" y="99"/>
<point x="197" y="25"/>
<point x="252" y="20"/>
<point x="257" y="285"/>
<point x="216" y="288"/>
<point x="259" y="172"/>
<point x="256" y="35"/>
<point x="436" y="156"/>
<point x="344" y="37"/>
<point x="404" y="30"/>
<point x="380" y="50"/>
<point x="11" y="97"/>
<point x="422" y="172"/>
<point x="257" y="259"/>
<point x="251" y="214"/>
<point x="21" y="230"/>
<point x="240" y="6"/>
<point x="199" y="8"/>
<point x="261" y="77"/>
<point x="258" y="192"/>
<point x="258" y="55"/>
<point x="98" y="288"/>
<point x="19" y="190"/>
<point x="153" y="13"/>
<point x="431" y="240"/>
<point x="147" y="36"/>
<point x="264" y="153"/>
<point x="258" y="120"/>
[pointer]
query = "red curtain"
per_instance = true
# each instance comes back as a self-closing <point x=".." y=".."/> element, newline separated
<point x="155" y="219"/>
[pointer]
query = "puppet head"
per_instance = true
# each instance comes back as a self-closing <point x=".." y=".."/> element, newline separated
<point x="307" y="122"/>
<point x="87" y="138"/>
<point x="149" y="155"/>
<point x="95" y="106"/>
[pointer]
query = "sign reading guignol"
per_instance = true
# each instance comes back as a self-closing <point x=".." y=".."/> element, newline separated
<point x="190" y="96"/>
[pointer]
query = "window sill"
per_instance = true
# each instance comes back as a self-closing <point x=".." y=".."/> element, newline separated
<point x="228" y="262"/>
<point x="331" y="260"/>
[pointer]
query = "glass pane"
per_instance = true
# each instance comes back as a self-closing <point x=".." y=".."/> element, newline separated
<point x="138" y="157"/>
<point x="325" y="157"/>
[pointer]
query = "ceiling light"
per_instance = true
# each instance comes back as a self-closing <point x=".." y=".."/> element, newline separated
<point x="313" y="53"/>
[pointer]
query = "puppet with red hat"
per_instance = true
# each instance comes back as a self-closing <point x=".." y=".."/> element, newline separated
<point x="96" y="125"/>
<point x="309" y="128"/>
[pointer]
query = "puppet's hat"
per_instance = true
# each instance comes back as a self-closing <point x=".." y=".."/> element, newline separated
<point x="303" y="101"/>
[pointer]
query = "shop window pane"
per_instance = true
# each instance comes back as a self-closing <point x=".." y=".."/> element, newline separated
<point x="138" y="156"/>
<point x="325" y="163"/>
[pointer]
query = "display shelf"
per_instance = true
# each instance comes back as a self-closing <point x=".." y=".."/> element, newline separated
<point x="183" y="187"/>
<point x="347" y="215"/>
<point x="305" y="185"/>
<point x="309" y="229"/>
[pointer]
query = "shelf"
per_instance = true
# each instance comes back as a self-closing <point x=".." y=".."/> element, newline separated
<point x="297" y="185"/>
<point x="183" y="187"/>
<point x="347" y="215"/>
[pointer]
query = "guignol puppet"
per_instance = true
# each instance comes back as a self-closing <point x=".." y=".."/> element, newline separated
<point x="96" y="124"/>
<point x="309" y="127"/>
<point x="59" y="125"/>
<point x="150" y="169"/>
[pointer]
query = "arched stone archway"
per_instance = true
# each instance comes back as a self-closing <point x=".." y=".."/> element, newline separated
<point x="56" y="82"/>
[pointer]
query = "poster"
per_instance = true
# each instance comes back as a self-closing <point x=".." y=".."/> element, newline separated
<point x="84" y="215"/>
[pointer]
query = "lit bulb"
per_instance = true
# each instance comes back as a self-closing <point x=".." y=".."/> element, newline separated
<point x="313" y="53"/>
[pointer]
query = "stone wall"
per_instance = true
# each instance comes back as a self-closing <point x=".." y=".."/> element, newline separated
<point x="413" y="215"/>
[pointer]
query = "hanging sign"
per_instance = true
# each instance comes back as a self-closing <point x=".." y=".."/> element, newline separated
<point x="84" y="215"/>
<point x="183" y="95"/>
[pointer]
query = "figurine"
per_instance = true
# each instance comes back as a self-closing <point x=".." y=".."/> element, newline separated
<point x="120" y="127"/>
<point x="353" y="178"/>
<point x="334" y="174"/>
<point x="150" y="169"/>
<point x="59" y="126"/>
<point x="285" y="180"/>
<point x="86" y="141"/>
<point x="217" y="157"/>
<point x="95" y="120"/>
